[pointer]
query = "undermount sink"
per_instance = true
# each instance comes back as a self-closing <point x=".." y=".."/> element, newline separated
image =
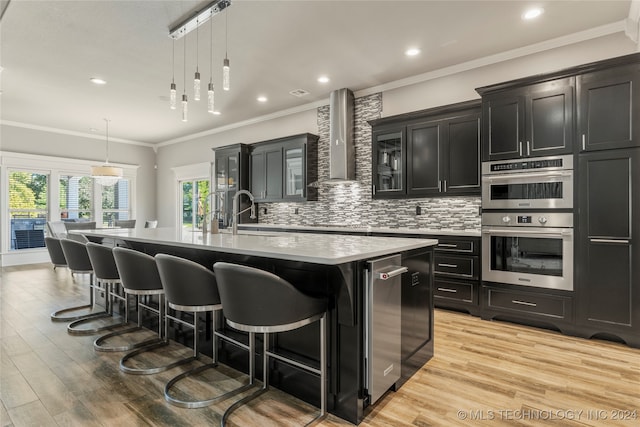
<point x="248" y="233"/>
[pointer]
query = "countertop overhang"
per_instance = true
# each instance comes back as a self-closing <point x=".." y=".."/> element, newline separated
<point x="328" y="249"/>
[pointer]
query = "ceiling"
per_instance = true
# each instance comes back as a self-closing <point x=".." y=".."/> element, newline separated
<point x="50" y="49"/>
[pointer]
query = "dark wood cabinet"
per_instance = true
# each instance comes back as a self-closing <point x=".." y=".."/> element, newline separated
<point x="608" y="108"/>
<point x="428" y="153"/>
<point x="231" y="174"/>
<point x="457" y="273"/>
<point x="608" y="261"/>
<point x="281" y="169"/>
<point x="528" y="120"/>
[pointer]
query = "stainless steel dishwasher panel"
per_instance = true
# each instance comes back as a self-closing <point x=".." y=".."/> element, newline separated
<point x="382" y="324"/>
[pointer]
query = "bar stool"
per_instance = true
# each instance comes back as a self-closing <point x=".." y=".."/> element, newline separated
<point x="55" y="252"/>
<point x="139" y="277"/>
<point x="78" y="262"/>
<point x="106" y="277"/>
<point x="258" y="301"/>
<point x="192" y="288"/>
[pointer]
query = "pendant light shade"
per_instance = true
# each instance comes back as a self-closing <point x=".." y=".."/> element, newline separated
<point x="106" y="175"/>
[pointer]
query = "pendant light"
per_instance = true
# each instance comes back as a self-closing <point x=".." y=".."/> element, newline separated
<point x="225" y="63"/>
<point x="196" y="79"/>
<point x="106" y="175"/>
<point x="172" y="91"/>
<point x="184" y="92"/>
<point x="210" y="93"/>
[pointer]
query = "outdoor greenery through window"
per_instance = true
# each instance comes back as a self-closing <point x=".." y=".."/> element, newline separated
<point x="194" y="204"/>
<point x="76" y="197"/>
<point x="115" y="203"/>
<point x="28" y="208"/>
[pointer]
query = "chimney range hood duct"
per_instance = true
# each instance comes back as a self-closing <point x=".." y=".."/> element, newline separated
<point x="342" y="162"/>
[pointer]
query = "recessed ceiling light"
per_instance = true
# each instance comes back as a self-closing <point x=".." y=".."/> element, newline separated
<point x="262" y="99"/>
<point x="413" y="51"/>
<point x="532" y="13"/>
<point x="93" y="129"/>
<point x="98" y="81"/>
<point x="323" y="79"/>
<point x="216" y="113"/>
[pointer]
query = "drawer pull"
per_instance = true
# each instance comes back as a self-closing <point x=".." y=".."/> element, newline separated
<point x="528" y="304"/>
<point x="453" y="291"/>
<point x="448" y="265"/>
<point x="447" y="245"/>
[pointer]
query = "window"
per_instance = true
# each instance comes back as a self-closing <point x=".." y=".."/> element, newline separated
<point x="28" y="208"/>
<point x="115" y="203"/>
<point x="194" y="204"/>
<point x="76" y="197"/>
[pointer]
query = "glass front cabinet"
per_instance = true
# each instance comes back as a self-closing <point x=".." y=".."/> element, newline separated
<point x="388" y="161"/>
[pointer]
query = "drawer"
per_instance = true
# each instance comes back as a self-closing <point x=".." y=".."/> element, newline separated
<point x="525" y="302"/>
<point x="468" y="246"/>
<point x="457" y="291"/>
<point x="456" y="266"/>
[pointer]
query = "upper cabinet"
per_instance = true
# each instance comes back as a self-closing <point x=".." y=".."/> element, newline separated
<point x="609" y="108"/>
<point x="231" y="174"/>
<point x="428" y="153"/>
<point x="528" y="120"/>
<point x="283" y="168"/>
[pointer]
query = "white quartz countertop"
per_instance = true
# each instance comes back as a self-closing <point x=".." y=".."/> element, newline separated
<point x="347" y="229"/>
<point x="331" y="249"/>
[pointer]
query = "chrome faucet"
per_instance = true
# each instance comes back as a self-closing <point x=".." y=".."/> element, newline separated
<point x="236" y="208"/>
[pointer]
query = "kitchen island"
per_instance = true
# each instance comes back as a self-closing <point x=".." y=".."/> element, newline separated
<point x="335" y="266"/>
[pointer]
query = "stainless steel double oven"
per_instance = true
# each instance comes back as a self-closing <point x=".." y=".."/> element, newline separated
<point x="527" y="222"/>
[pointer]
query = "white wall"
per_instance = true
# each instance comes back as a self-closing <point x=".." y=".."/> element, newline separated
<point x="31" y="141"/>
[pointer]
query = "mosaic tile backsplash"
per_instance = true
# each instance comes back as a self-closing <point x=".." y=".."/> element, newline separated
<point x="350" y="204"/>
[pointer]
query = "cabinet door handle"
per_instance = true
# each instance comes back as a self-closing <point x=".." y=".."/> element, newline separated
<point x="445" y="185"/>
<point x="528" y="148"/>
<point x="453" y="291"/>
<point x="448" y="265"/>
<point x="584" y="142"/>
<point x="439" y="186"/>
<point x="374" y="189"/>
<point x="447" y="245"/>
<point x="620" y="241"/>
<point x="528" y="304"/>
<point x="520" y="148"/>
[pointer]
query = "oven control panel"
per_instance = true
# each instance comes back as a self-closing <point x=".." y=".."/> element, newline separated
<point x="534" y="164"/>
<point x="528" y="219"/>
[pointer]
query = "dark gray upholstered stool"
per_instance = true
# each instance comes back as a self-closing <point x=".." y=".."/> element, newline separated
<point x="258" y="301"/>
<point x="138" y="277"/>
<point x="107" y="279"/>
<point x="78" y="262"/>
<point x="190" y="287"/>
<point x="55" y="252"/>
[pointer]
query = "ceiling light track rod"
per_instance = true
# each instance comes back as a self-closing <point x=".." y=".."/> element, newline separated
<point x="199" y="18"/>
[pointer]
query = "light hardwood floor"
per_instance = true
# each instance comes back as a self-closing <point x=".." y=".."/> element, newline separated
<point x="483" y="373"/>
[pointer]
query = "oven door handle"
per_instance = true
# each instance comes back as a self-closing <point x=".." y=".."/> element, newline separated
<point x="512" y="176"/>
<point x="516" y="233"/>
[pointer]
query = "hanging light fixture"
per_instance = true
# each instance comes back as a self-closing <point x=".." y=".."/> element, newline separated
<point x="106" y="175"/>
<point x="172" y="91"/>
<point x="181" y="30"/>
<point x="225" y="63"/>
<point x="196" y="78"/>
<point x="210" y="93"/>
<point x="184" y="92"/>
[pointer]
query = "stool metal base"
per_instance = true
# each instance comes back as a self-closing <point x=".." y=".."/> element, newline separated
<point x="73" y="329"/>
<point x="199" y="403"/>
<point x="56" y="316"/>
<point x="99" y="345"/>
<point x="155" y="370"/>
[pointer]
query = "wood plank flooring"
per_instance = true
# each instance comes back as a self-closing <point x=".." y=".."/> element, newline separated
<point x="483" y="373"/>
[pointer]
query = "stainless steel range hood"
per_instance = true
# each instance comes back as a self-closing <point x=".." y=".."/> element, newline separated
<point x="342" y="161"/>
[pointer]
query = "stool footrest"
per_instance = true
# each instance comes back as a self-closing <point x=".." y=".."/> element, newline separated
<point x="154" y="370"/>
<point x="99" y="346"/>
<point x="239" y="403"/>
<point x="199" y="403"/>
